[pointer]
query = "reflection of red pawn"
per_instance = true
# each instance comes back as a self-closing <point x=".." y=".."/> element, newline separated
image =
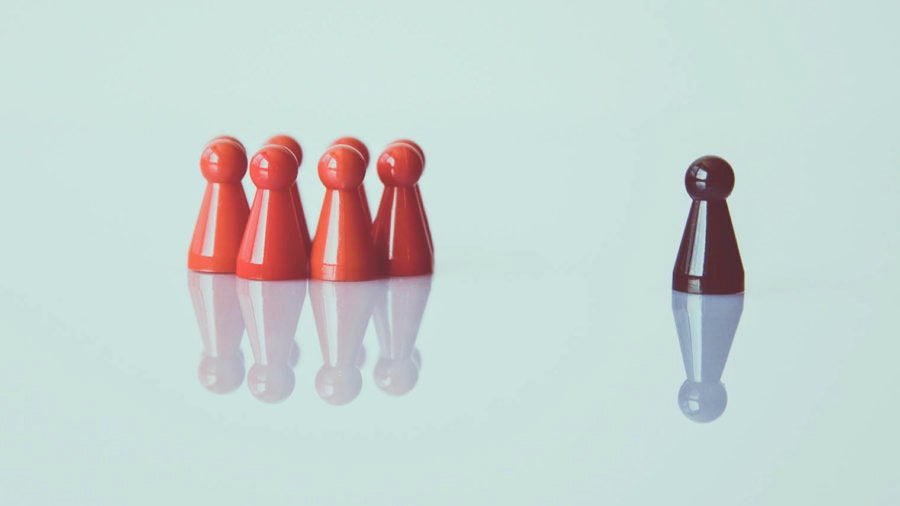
<point x="272" y="247"/>
<point x="342" y="249"/>
<point x="223" y="213"/>
<point x="342" y="312"/>
<point x="292" y="144"/>
<point x="271" y="311"/>
<point x="401" y="231"/>
<point x="218" y="315"/>
<point x="358" y="145"/>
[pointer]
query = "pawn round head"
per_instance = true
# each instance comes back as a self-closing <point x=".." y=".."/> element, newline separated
<point x="415" y="146"/>
<point x="702" y="402"/>
<point x="342" y="167"/>
<point x="223" y="161"/>
<point x="290" y="143"/>
<point x="270" y="383"/>
<point x="229" y="138"/>
<point x="273" y="167"/>
<point x="354" y="143"/>
<point x="338" y="385"/>
<point x="400" y="165"/>
<point x="221" y="374"/>
<point x="396" y="377"/>
<point x="709" y="178"/>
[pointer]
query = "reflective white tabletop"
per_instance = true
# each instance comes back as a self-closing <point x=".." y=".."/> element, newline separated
<point x="546" y="361"/>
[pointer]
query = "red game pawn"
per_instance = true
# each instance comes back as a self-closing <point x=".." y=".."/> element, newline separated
<point x="418" y="191"/>
<point x="292" y="144"/>
<point x="358" y="145"/>
<point x="342" y="249"/>
<point x="400" y="231"/>
<point x="708" y="259"/>
<point x="229" y="138"/>
<point x="272" y="247"/>
<point x="223" y="213"/>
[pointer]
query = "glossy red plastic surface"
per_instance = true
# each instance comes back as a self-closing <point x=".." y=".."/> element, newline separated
<point x="272" y="247"/>
<point x="400" y="230"/>
<point x="271" y="310"/>
<point x="218" y="313"/>
<point x="418" y="191"/>
<point x="342" y="249"/>
<point x="292" y="144"/>
<point x="224" y="210"/>
<point x="358" y="145"/>
<point x="708" y="260"/>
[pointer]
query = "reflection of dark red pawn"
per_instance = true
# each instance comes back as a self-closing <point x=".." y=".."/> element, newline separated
<point x="272" y="247"/>
<point x="294" y="146"/>
<point x="400" y="230"/>
<point x="223" y="213"/>
<point x="709" y="261"/>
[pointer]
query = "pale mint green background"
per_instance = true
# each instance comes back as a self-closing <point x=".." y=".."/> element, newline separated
<point x="557" y="134"/>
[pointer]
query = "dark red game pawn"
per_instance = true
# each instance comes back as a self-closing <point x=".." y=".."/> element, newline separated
<point x="418" y="190"/>
<point x="218" y="315"/>
<point x="271" y="311"/>
<point x="358" y="145"/>
<point x="706" y="325"/>
<point x="400" y="231"/>
<point x="272" y="247"/>
<point x="342" y="312"/>
<point x="223" y="213"/>
<point x="342" y="249"/>
<point x="292" y="144"/>
<point x="398" y="315"/>
<point x="708" y="260"/>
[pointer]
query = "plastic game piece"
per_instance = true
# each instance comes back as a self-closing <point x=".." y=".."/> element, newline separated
<point x="358" y="145"/>
<point x="400" y="230"/>
<point x="229" y="138"/>
<point x="342" y="249"/>
<point x="418" y="190"/>
<point x="218" y="313"/>
<point x="708" y="260"/>
<point x="342" y="312"/>
<point x="271" y="311"/>
<point x="223" y="213"/>
<point x="706" y="326"/>
<point x="398" y="314"/>
<point x="272" y="247"/>
<point x="292" y="144"/>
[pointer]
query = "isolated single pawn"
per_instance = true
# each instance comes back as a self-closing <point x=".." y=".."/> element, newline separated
<point x="292" y="144"/>
<point x="342" y="312"/>
<point x="397" y="317"/>
<point x="421" y="152"/>
<point x="400" y="231"/>
<point x="218" y="313"/>
<point x="342" y="249"/>
<point x="706" y="326"/>
<point x="272" y="248"/>
<point x="358" y="145"/>
<point x="271" y="310"/>
<point x="223" y="213"/>
<point x="708" y="260"/>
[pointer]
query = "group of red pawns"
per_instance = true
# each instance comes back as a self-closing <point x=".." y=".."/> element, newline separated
<point x="270" y="240"/>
